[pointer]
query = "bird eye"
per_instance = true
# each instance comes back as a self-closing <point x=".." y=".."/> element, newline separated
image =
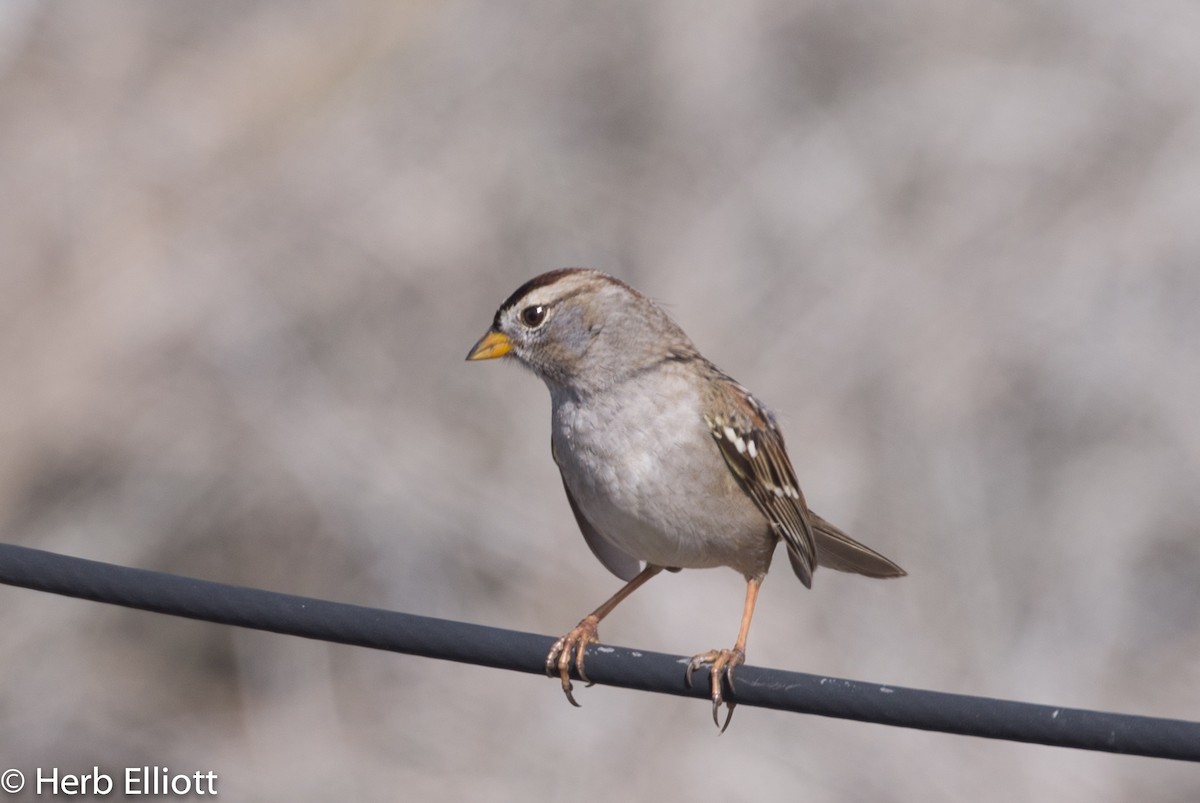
<point x="533" y="316"/>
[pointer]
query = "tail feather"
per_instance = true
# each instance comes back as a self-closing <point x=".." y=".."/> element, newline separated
<point x="839" y="551"/>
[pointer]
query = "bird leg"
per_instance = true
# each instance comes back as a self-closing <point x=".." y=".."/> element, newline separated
<point x="722" y="662"/>
<point x="570" y="648"/>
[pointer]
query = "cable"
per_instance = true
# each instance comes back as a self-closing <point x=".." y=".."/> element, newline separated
<point x="632" y="669"/>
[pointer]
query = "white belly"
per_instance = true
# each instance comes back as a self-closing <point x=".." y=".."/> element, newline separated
<point x="633" y="470"/>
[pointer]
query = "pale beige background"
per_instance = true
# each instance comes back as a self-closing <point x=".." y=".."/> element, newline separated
<point x="246" y="247"/>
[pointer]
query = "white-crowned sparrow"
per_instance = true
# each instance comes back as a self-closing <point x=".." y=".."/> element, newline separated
<point x="666" y="460"/>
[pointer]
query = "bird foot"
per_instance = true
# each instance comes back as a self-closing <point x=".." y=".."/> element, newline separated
<point x="721" y="664"/>
<point x="575" y="643"/>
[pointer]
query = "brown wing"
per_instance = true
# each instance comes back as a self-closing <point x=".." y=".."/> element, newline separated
<point x="753" y="448"/>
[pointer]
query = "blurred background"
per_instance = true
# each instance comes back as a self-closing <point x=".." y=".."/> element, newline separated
<point x="247" y="247"/>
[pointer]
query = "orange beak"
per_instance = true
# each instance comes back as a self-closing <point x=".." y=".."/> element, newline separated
<point x="492" y="345"/>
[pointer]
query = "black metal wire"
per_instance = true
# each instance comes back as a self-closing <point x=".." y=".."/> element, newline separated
<point x="615" y="666"/>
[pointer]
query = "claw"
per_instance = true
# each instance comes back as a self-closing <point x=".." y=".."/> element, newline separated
<point x="573" y="644"/>
<point x="728" y="715"/>
<point x="721" y="664"/>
